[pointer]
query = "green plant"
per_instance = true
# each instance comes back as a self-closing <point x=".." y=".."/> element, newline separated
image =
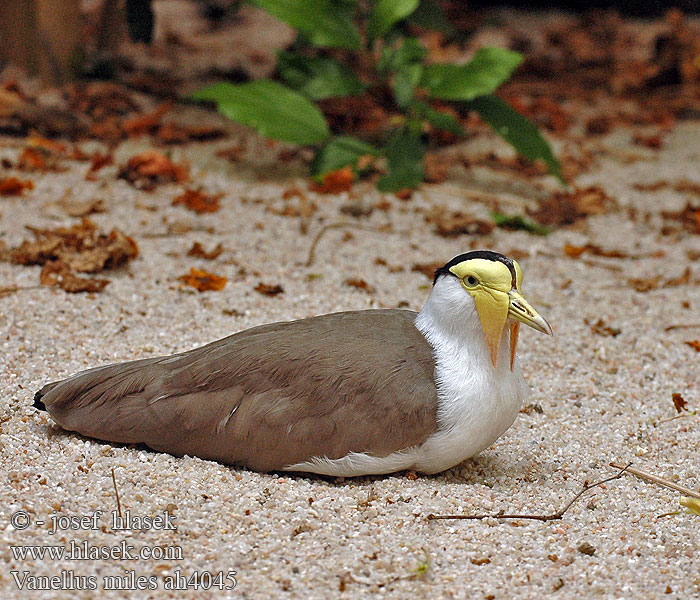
<point x="333" y="57"/>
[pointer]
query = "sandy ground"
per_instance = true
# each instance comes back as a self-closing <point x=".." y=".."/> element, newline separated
<point x="602" y="398"/>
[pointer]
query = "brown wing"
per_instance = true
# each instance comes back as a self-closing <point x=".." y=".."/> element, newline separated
<point x="267" y="397"/>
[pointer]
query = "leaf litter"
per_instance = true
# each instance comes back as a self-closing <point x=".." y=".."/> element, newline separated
<point x="81" y="248"/>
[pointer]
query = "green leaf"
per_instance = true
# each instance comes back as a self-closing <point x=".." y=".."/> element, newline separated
<point x="387" y="12"/>
<point x="327" y="23"/>
<point x="489" y="68"/>
<point x="339" y="152"/>
<point x="438" y="119"/>
<point x="270" y="108"/>
<point x="318" y="78"/>
<point x="410" y="51"/>
<point x="430" y="15"/>
<point x="405" y="82"/>
<point x="519" y="222"/>
<point x="518" y="131"/>
<point x="404" y="153"/>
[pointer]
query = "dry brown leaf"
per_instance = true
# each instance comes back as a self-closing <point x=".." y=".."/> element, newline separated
<point x="576" y="251"/>
<point x="436" y="168"/>
<point x="679" y="402"/>
<point x="689" y="217"/>
<point x="360" y="284"/>
<point x="199" y="201"/>
<point x="334" y="182"/>
<point x="11" y="186"/>
<point x="232" y="153"/>
<point x="97" y="162"/>
<point x="151" y="168"/>
<point x="686" y="186"/>
<point x="694" y="344"/>
<point x="655" y="142"/>
<point x="58" y="273"/>
<point x="601" y="328"/>
<point x="565" y="208"/>
<point x="428" y="269"/>
<point x="654" y="186"/>
<point x="198" y="251"/>
<point x="267" y="289"/>
<point x="175" y="133"/>
<point x="147" y="123"/>
<point x="81" y="247"/>
<point x="646" y="284"/>
<point x="452" y="223"/>
<point x="203" y="281"/>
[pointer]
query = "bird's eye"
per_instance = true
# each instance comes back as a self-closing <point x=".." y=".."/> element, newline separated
<point x="471" y="280"/>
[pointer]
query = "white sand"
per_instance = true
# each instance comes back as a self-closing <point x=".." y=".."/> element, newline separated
<point x="309" y="537"/>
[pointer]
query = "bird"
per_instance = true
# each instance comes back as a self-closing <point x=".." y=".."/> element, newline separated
<point x="345" y="394"/>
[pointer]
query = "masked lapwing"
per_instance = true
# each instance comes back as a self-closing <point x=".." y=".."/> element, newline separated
<point x="343" y="394"/>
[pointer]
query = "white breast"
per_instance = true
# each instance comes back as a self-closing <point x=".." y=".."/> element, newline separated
<point x="476" y="403"/>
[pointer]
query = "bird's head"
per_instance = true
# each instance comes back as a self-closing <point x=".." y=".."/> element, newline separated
<point x="492" y="282"/>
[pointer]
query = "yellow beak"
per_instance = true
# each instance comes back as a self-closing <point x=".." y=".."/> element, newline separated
<point x="519" y="309"/>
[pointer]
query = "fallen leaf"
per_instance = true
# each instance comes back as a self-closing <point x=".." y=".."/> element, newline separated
<point x="334" y="182"/>
<point x="565" y="208"/>
<point x="97" y="162"/>
<point x="232" y="153"/>
<point x="11" y="186"/>
<point x="436" y="168"/>
<point x="81" y="247"/>
<point x="203" y="281"/>
<point x="428" y="269"/>
<point x="175" y="133"/>
<point x="644" y="284"/>
<point x="199" y="201"/>
<point x="651" y="187"/>
<point x="694" y="344"/>
<point x="452" y="223"/>
<point x="576" y="251"/>
<point x="151" y="168"/>
<point x="686" y="186"/>
<point x="360" y="284"/>
<point x="198" y="251"/>
<point x="655" y="142"/>
<point x="57" y="273"/>
<point x="147" y="123"/>
<point x="689" y="217"/>
<point x="600" y="328"/>
<point x="267" y="289"/>
<point x="679" y="403"/>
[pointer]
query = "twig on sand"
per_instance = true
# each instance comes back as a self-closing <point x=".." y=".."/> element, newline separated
<point x="116" y="493"/>
<point x="6" y="291"/>
<point x="659" y="481"/>
<point x="544" y="518"/>
<point x="322" y="231"/>
<point x="682" y="326"/>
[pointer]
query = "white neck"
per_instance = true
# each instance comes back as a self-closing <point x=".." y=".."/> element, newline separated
<point x="476" y="403"/>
